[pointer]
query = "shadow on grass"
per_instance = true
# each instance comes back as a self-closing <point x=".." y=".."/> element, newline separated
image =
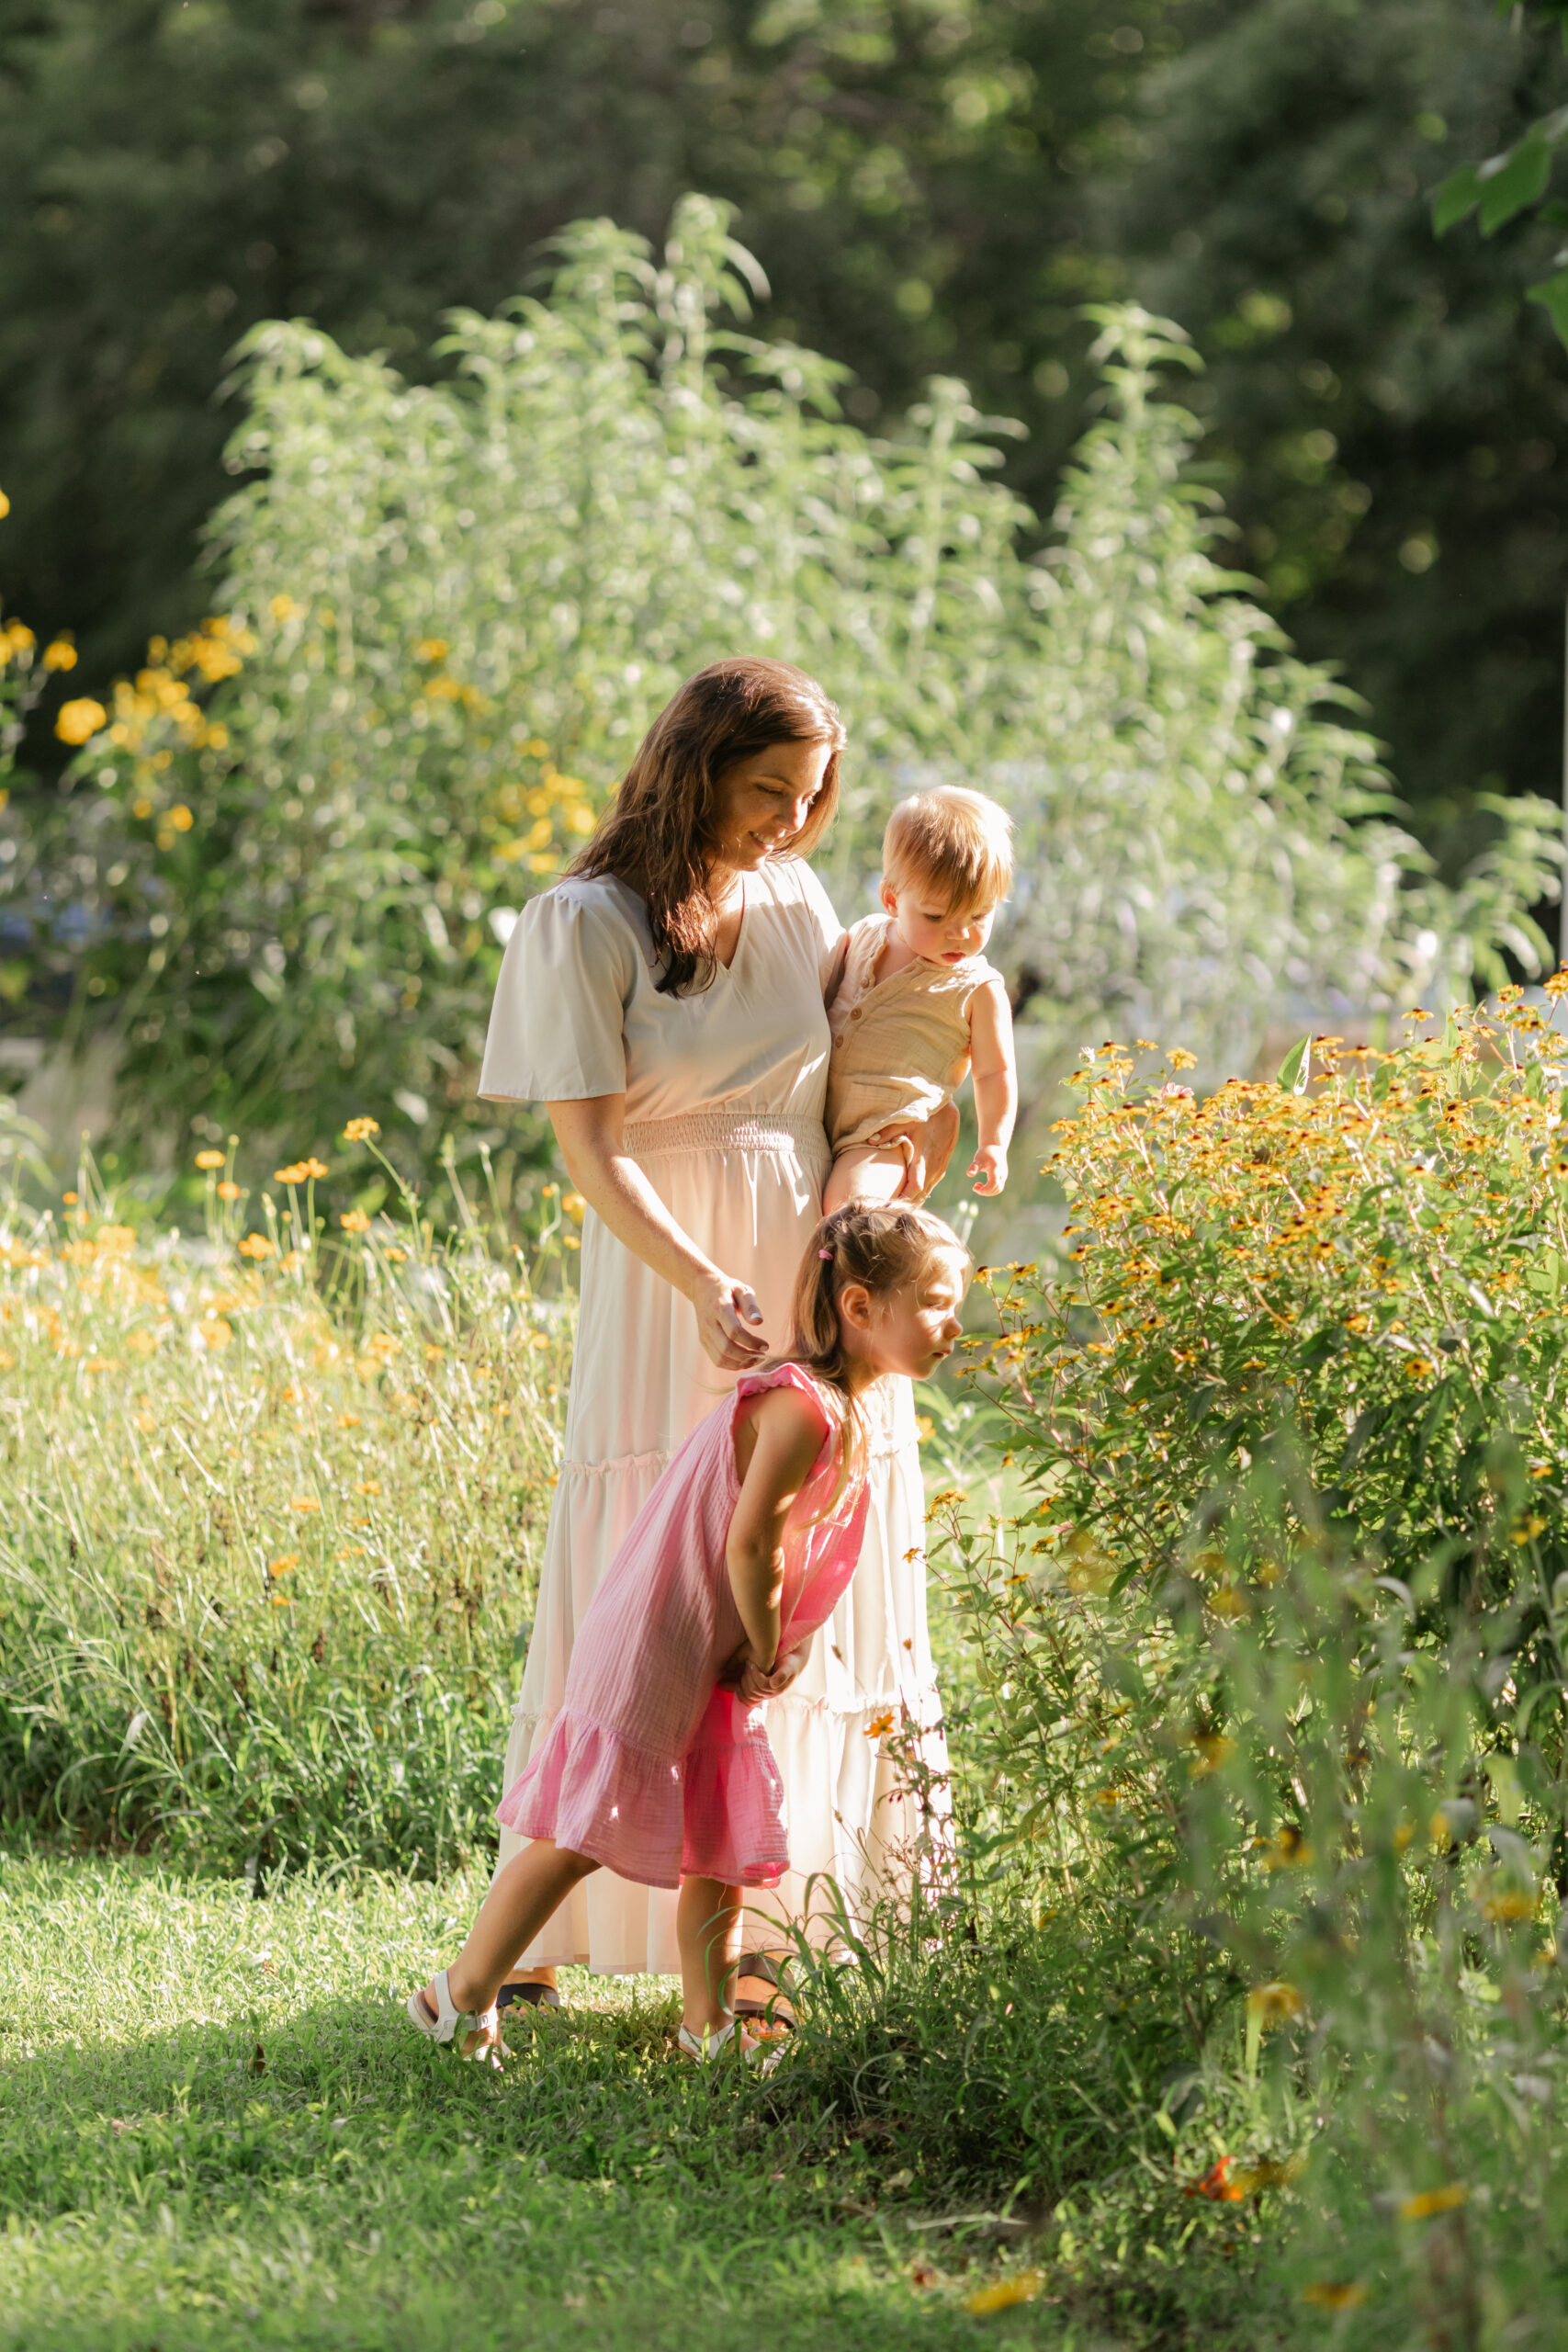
<point x="317" y="2177"/>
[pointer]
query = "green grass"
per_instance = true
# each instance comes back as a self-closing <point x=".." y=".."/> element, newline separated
<point x="215" y="2128"/>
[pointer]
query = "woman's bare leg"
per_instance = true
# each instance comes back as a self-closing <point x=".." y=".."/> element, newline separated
<point x="865" y="1174"/>
<point x="707" y="1925"/>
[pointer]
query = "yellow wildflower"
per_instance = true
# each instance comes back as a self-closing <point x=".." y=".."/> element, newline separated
<point x="1274" y="2004"/>
<point x="61" y="654"/>
<point x="354" y="1221"/>
<point x="227" y="1192"/>
<point x="255" y="1245"/>
<point x="284" y="1566"/>
<point x="1421" y="2207"/>
<point x="210" y="1160"/>
<point x="1003" y="2293"/>
<point x="360" y="1130"/>
<point x="79" y="721"/>
<point x="1334" y="2295"/>
<point x="304" y="1504"/>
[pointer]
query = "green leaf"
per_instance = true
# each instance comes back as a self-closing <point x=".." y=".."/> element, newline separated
<point x="1294" y="1070"/>
<point x="1552" y="293"/>
<point x="1457" y="195"/>
<point x="1519" y="178"/>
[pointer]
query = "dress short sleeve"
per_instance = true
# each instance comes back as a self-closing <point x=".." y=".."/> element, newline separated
<point x="557" y="1027"/>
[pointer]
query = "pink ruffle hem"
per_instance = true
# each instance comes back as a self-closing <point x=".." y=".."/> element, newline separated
<point x="716" y="1812"/>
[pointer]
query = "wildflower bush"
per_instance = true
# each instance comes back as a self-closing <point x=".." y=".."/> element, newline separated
<point x="277" y="1499"/>
<point x="290" y="849"/>
<point x="1271" y="1662"/>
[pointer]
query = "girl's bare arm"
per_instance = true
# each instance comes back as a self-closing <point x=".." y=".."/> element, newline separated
<point x="784" y="1432"/>
<point x="996" y="1084"/>
<point x="591" y="1135"/>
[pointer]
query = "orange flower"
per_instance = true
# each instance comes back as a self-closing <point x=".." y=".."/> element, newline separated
<point x="284" y="1566"/>
<point x="210" y="1160"/>
<point x="354" y="1221"/>
<point x="255" y="1245"/>
<point x="360" y="1130"/>
<point x="1215" y="2183"/>
<point x="228" y="1191"/>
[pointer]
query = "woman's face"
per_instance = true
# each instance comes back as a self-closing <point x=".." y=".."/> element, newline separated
<point x="764" y="800"/>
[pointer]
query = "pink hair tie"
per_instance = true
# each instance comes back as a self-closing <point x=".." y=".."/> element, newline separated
<point x="824" y="1253"/>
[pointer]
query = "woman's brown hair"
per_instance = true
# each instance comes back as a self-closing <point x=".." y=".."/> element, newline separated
<point x="661" y="829"/>
<point x="882" y="1248"/>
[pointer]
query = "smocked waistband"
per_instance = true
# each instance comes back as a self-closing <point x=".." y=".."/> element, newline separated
<point x="791" y="1135"/>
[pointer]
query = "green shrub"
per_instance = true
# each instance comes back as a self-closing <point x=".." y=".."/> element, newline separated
<point x="276" y="1502"/>
<point x="1273" y="1660"/>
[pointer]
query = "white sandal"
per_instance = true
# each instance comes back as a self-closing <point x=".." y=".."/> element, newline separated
<point x="715" y="2040"/>
<point x="451" y="2024"/>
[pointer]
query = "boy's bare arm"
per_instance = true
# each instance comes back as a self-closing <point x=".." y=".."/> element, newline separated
<point x="996" y="1084"/>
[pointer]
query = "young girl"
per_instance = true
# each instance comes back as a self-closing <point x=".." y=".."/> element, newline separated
<point x="918" y="1004"/>
<point x="657" y="1764"/>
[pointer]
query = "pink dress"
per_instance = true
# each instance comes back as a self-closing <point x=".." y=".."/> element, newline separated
<point x="648" y="1766"/>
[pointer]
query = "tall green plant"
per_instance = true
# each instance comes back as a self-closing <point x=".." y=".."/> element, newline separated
<point x="460" y="606"/>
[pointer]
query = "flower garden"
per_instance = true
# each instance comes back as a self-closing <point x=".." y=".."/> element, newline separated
<point x="1231" y="2005"/>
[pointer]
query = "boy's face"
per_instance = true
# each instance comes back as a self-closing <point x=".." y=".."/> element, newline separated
<point x="939" y="936"/>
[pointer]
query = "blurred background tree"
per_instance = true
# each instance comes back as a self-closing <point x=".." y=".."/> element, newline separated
<point x="930" y="184"/>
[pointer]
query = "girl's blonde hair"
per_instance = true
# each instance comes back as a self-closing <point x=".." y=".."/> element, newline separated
<point x="884" y="1249"/>
<point x="951" y="841"/>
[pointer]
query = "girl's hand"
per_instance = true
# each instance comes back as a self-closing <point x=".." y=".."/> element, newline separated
<point x="724" y="1307"/>
<point x="990" y="1164"/>
<point x="787" y="1667"/>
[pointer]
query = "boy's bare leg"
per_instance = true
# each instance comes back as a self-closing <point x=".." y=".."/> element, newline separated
<point x="707" y="1927"/>
<point x="522" y="1898"/>
<point x="865" y="1172"/>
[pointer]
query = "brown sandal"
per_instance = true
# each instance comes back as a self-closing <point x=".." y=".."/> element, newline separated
<point x="767" y="1971"/>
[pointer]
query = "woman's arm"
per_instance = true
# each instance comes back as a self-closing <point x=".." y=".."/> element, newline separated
<point x="785" y="1430"/>
<point x="591" y="1135"/>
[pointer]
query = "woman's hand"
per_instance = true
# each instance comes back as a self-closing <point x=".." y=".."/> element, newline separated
<point x="592" y="1139"/>
<point x="723" y="1308"/>
<point x="929" y="1144"/>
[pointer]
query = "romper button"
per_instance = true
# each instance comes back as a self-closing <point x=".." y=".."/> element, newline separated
<point x="855" y="1014"/>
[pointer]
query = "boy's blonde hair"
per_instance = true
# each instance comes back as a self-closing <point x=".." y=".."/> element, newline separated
<point x="955" y="842"/>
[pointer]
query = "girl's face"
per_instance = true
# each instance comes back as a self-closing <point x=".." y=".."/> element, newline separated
<point x="911" y="1331"/>
<point x="764" y="800"/>
<point x="937" y="935"/>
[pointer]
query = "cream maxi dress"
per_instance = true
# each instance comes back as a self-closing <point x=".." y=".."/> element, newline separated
<point x="725" y="1091"/>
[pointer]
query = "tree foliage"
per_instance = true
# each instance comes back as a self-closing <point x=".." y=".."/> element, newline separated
<point x="293" y="842"/>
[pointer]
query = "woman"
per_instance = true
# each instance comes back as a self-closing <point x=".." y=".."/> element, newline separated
<point x="665" y="1002"/>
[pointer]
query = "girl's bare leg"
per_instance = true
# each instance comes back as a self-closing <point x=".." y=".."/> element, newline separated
<point x="866" y="1174"/>
<point x="707" y="1925"/>
<point x="521" y="1897"/>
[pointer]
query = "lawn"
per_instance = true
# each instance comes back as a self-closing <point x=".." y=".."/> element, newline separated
<point x="217" y="2129"/>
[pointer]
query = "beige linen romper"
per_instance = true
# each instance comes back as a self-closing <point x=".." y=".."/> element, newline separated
<point x="900" y="1045"/>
